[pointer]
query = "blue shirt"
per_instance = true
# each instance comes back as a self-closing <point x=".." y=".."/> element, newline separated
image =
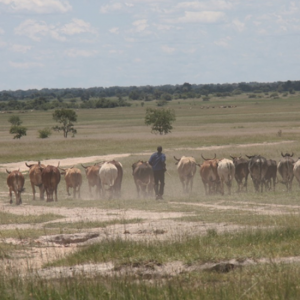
<point x="157" y="161"/>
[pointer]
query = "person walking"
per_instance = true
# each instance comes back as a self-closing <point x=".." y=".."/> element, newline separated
<point x="158" y="163"/>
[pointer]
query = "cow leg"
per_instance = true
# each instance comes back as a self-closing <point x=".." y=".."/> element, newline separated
<point x="33" y="191"/>
<point x="42" y="192"/>
<point x="55" y="191"/>
<point x="68" y="191"/>
<point x="10" y="196"/>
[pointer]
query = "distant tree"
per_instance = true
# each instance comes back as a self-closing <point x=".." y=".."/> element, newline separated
<point x="18" y="131"/>
<point x="15" y="120"/>
<point x="65" y="117"/>
<point x="44" y="133"/>
<point x="16" y="127"/>
<point x="160" y="120"/>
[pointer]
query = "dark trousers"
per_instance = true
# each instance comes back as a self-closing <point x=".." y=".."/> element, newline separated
<point x="159" y="182"/>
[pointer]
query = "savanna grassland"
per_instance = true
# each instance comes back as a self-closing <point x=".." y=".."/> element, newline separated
<point x="188" y="246"/>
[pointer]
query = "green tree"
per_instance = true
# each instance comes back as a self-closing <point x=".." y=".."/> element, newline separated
<point x="160" y="120"/>
<point x="15" y="120"/>
<point x="18" y="131"/>
<point x="44" y="133"/>
<point x="65" y="117"/>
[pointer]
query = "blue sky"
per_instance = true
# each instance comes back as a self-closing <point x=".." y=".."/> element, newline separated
<point x="87" y="43"/>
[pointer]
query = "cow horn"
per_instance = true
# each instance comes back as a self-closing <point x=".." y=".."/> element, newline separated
<point x="29" y="166"/>
<point x="8" y="172"/>
<point x="84" y="166"/>
<point x="176" y="158"/>
<point x="282" y="154"/>
<point x="292" y="154"/>
<point x="58" y="164"/>
<point x="233" y="157"/>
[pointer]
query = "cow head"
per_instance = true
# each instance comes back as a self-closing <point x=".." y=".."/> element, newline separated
<point x="177" y="160"/>
<point x="287" y="154"/>
<point x="209" y="158"/>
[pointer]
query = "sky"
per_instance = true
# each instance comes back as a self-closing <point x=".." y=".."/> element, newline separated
<point x="89" y="43"/>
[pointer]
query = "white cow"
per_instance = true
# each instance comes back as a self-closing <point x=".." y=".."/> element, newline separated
<point x="108" y="174"/>
<point x="186" y="167"/>
<point x="296" y="170"/>
<point x="226" y="171"/>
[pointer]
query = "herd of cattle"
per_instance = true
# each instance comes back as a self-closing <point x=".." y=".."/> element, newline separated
<point x="107" y="176"/>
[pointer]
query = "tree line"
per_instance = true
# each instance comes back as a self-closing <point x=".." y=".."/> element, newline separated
<point x="53" y="98"/>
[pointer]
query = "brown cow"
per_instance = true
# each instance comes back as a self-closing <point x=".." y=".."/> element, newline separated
<point x="143" y="177"/>
<point x="51" y="178"/>
<point x="15" y="182"/>
<point x="35" y="176"/>
<point x="73" y="180"/>
<point x="92" y="175"/>
<point x="271" y="174"/>
<point x="186" y="167"/>
<point x="209" y="174"/>
<point x="241" y="171"/>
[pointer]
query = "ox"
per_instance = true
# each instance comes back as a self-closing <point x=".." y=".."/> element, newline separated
<point x="209" y="174"/>
<point x="241" y="171"/>
<point x="143" y="177"/>
<point x="186" y="167"/>
<point x="258" y="167"/>
<point x="92" y="175"/>
<point x="35" y="176"/>
<point x="296" y="170"/>
<point x="108" y="175"/>
<point x="50" y="179"/>
<point x="285" y="169"/>
<point x="118" y="182"/>
<point x="226" y="170"/>
<point x="73" y="180"/>
<point x="271" y="174"/>
<point x="15" y="182"/>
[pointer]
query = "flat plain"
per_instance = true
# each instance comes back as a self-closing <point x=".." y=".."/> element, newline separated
<point x="188" y="246"/>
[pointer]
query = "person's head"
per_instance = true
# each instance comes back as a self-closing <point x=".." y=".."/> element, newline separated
<point x="159" y="149"/>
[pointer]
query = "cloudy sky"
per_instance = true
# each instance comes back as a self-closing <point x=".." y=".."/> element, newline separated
<point x="87" y="43"/>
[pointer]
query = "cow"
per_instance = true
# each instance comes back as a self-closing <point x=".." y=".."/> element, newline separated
<point x="241" y="172"/>
<point x="209" y="174"/>
<point x="285" y="169"/>
<point x="15" y="182"/>
<point x="92" y="175"/>
<point x="226" y="171"/>
<point x="258" y="167"/>
<point x="296" y="170"/>
<point x="108" y="175"/>
<point x="50" y="179"/>
<point x="35" y="176"/>
<point x="73" y="180"/>
<point x="271" y="174"/>
<point x="118" y="182"/>
<point x="143" y="177"/>
<point x="186" y="168"/>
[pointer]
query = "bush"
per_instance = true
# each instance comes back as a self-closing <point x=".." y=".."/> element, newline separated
<point x="44" y="133"/>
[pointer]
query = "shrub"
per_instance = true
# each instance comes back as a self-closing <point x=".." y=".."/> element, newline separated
<point x="44" y="133"/>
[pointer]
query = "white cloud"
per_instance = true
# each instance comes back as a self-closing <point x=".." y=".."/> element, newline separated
<point x="239" y="26"/>
<point x="114" y="30"/>
<point x="35" y="30"/>
<point x="110" y="7"/>
<point x="77" y="26"/>
<point x="140" y="25"/>
<point x="20" y="48"/>
<point x="206" y="5"/>
<point x="25" y="65"/>
<point x="201" y="17"/>
<point x="1" y="31"/>
<point x="38" y="6"/>
<point x="168" y="49"/>
<point x="80" y="53"/>
<point x="223" y="42"/>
